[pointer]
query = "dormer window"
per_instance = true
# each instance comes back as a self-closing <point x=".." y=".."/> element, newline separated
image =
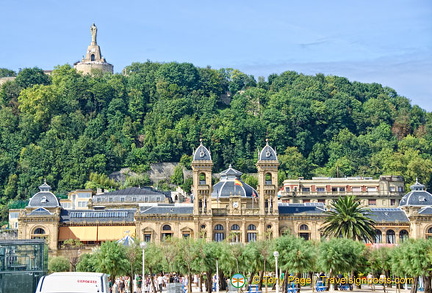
<point x="44" y="199"/>
<point x="422" y="198"/>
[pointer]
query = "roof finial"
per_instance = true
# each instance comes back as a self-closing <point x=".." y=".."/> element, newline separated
<point x="201" y="141"/>
<point x="267" y="140"/>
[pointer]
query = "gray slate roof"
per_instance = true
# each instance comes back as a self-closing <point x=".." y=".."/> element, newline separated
<point x="417" y="197"/>
<point x="202" y="154"/>
<point x="425" y="211"/>
<point x="133" y="195"/>
<point x="40" y="212"/>
<point x="109" y="215"/>
<point x="44" y="198"/>
<point x="301" y="208"/>
<point x="166" y="209"/>
<point x="227" y="187"/>
<point x="388" y="215"/>
<point x="267" y="154"/>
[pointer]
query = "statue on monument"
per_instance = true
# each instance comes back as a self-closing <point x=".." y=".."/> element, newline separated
<point x="93" y="30"/>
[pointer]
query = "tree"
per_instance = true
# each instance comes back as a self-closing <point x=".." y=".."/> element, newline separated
<point x="296" y="255"/>
<point x="414" y="258"/>
<point x="340" y="255"/>
<point x="346" y="218"/>
<point x="100" y="181"/>
<point x="112" y="259"/>
<point x="58" y="264"/>
<point x="177" y="178"/>
<point x="4" y="72"/>
<point x="29" y="77"/>
<point x="87" y="263"/>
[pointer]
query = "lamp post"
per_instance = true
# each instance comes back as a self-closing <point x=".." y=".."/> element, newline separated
<point x="276" y="255"/>
<point x="143" y="246"/>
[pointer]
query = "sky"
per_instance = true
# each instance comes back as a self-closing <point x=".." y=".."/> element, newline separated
<point x="383" y="41"/>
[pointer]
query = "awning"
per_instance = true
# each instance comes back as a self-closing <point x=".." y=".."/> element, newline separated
<point x="83" y="233"/>
<point x="111" y="233"/>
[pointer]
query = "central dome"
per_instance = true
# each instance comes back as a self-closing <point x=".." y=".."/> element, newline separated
<point x="231" y="184"/>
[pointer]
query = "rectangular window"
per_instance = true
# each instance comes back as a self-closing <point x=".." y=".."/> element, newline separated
<point x="287" y="189"/>
<point x="372" y="189"/>
<point x="306" y="189"/>
<point x="306" y="200"/>
<point x="321" y="200"/>
<point x="400" y="188"/>
<point x="392" y="202"/>
<point x="320" y="189"/>
<point x="147" y="237"/>
<point x="392" y="188"/>
<point x="251" y="237"/>
<point x="372" y="202"/>
<point x="219" y="236"/>
<point x="342" y="189"/>
<point x="356" y="189"/>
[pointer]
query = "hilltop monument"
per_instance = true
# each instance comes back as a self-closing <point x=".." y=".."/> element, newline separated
<point x="93" y="59"/>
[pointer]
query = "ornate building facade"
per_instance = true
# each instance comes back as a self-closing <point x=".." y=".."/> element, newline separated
<point x="229" y="210"/>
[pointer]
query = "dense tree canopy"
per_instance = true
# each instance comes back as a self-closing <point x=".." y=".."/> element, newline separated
<point x="66" y="126"/>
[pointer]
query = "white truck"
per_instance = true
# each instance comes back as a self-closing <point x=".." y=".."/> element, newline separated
<point x="73" y="282"/>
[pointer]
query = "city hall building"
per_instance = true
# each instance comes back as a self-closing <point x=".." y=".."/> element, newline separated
<point x="229" y="210"/>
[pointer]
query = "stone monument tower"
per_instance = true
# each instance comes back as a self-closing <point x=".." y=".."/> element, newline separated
<point x="93" y="59"/>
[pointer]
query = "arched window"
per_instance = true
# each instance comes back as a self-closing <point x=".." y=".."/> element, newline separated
<point x="92" y="57"/>
<point x="202" y="179"/>
<point x="167" y="234"/>
<point x="429" y="233"/>
<point x="39" y="233"/>
<point x="219" y="227"/>
<point x="403" y="235"/>
<point x="390" y="237"/>
<point x="235" y="227"/>
<point x="252" y="227"/>
<point x="203" y="226"/>
<point x="268" y="179"/>
<point x="305" y="235"/>
<point x="378" y="236"/>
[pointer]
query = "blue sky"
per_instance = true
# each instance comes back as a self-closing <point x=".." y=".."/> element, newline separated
<point x="383" y="41"/>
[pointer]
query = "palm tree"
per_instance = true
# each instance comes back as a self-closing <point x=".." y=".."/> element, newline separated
<point x="347" y="219"/>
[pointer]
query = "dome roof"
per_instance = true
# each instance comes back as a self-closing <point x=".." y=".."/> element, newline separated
<point x="202" y="154"/>
<point x="267" y="154"/>
<point x="418" y="196"/>
<point x="44" y="198"/>
<point x="231" y="184"/>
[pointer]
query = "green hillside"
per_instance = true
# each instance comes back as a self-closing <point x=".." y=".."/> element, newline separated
<point x="65" y="126"/>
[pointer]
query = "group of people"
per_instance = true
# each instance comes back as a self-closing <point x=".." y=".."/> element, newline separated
<point x="121" y="285"/>
<point x="158" y="282"/>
